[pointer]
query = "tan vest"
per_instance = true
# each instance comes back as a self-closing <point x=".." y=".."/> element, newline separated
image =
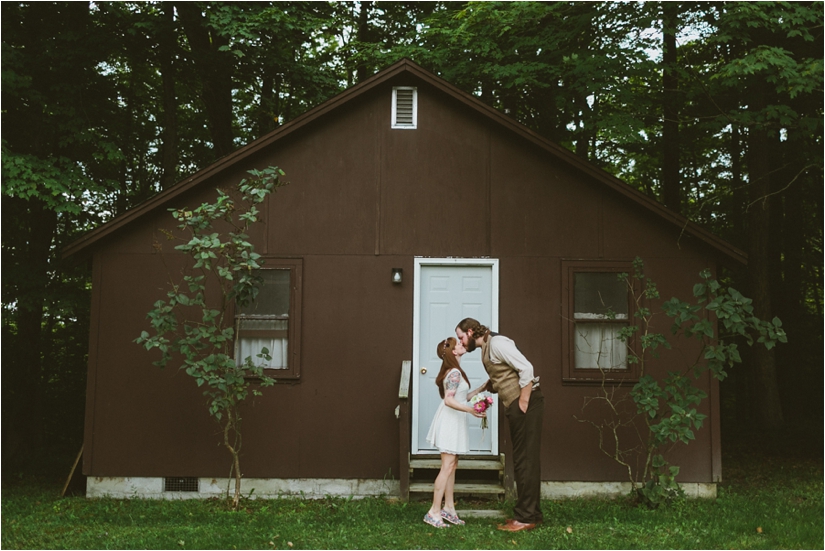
<point x="503" y="377"/>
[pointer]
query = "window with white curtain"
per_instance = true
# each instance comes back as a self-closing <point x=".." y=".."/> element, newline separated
<point x="599" y="313"/>
<point x="255" y="335"/>
<point x="269" y="321"/>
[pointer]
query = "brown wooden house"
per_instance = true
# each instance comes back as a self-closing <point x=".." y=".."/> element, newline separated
<point x="400" y="177"/>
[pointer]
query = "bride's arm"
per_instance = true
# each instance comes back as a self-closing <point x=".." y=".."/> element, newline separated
<point x="451" y="383"/>
<point x="482" y="388"/>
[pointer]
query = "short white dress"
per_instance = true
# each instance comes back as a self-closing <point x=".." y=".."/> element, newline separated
<point x="449" y="432"/>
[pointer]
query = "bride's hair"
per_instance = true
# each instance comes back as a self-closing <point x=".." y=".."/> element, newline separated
<point x="449" y="361"/>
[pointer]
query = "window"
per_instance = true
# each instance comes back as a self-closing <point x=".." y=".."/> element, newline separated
<point x="404" y="107"/>
<point x="596" y="307"/>
<point x="272" y="320"/>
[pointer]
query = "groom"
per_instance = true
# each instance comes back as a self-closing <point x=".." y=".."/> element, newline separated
<point x="511" y="376"/>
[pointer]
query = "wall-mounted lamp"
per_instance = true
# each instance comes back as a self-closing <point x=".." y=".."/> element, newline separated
<point x="397" y="275"/>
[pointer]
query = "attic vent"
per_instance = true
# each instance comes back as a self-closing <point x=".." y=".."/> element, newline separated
<point x="404" y="107"/>
<point x="180" y="484"/>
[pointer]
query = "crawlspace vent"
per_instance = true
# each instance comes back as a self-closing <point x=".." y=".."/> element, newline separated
<point x="180" y="484"/>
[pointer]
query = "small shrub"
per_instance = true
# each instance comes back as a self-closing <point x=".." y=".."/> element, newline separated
<point x="662" y="410"/>
<point x="184" y="324"/>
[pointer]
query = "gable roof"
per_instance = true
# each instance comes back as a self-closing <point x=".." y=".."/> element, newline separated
<point x="398" y="68"/>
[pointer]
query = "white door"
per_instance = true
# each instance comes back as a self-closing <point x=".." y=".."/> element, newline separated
<point x="447" y="291"/>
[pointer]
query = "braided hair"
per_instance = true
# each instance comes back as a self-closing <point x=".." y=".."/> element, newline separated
<point x="449" y="361"/>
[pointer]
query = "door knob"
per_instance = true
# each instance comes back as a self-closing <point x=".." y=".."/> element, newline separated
<point x="423" y="370"/>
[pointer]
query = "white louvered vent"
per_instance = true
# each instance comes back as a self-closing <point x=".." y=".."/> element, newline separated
<point x="404" y="107"/>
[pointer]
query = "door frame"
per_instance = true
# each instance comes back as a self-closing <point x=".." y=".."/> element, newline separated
<point x="419" y="262"/>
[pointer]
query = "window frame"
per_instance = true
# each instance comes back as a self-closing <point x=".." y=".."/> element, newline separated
<point x="570" y="373"/>
<point x="393" y="123"/>
<point x="295" y="267"/>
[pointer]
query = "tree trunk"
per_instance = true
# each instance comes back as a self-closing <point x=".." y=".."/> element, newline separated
<point x="583" y="124"/>
<point x="214" y="69"/>
<point x="169" y="151"/>
<point x="768" y="408"/>
<point x="790" y="304"/>
<point x="742" y="375"/>
<point x="487" y="96"/>
<point x="267" y="120"/>
<point x="231" y="426"/>
<point x="738" y="189"/>
<point x="364" y="35"/>
<point x="27" y="413"/>
<point x="671" y="192"/>
<point x="583" y="115"/>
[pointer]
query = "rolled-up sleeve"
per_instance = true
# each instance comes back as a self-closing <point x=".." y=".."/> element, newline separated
<point x="503" y="350"/>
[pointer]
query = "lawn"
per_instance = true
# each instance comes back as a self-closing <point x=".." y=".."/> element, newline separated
<point x="771" y="499"/>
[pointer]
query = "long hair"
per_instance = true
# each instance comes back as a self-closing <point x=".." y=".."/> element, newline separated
<point x="449" y="361"/>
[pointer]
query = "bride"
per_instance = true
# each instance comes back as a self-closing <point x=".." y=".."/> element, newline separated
<point x="448" y="432"/>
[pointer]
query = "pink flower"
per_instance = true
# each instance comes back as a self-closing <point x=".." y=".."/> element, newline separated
<point x="482" y="403"/>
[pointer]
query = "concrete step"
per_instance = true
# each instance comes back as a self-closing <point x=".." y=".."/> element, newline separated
<point x="461" y="488"/>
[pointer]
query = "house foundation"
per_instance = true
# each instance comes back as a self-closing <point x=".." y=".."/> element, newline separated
<point x="319" y="488"/>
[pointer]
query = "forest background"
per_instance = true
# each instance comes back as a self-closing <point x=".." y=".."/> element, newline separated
<point x="713" y="108"/>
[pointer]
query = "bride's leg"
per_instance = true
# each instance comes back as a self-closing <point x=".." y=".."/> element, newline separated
<point x="448" y="462"/>
<point x="449" y="498"/>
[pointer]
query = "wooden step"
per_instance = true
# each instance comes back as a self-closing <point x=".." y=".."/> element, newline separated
<point x="461" y="488"/>
<point x="463" y="464"/>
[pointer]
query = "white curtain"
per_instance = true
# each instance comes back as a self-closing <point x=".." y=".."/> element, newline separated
<point x="598" y="346"/>
<point x="277" y="349"/>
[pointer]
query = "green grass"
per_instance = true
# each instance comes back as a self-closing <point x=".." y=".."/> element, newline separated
<point x="766" y="502"/>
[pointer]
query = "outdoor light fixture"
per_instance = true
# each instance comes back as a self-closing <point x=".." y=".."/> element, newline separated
<point x="397" y="274"/>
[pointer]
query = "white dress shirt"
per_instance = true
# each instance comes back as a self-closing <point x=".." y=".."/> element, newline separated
<point x="503" y="351"/>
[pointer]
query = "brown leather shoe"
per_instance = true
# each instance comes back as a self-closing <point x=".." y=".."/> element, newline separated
<point x="512" y="525"/>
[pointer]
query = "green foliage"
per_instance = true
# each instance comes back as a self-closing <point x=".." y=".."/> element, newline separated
<point x="57" y="182"/>
<point x="186" y="325"/>
<point x="735" y="313"/>
<point x="661" y="487"/>
<point x="667" y="404"/>
<point x="576" y="73"/>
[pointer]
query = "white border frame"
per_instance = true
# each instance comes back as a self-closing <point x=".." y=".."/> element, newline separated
<point x="414" y="124"/>
<point x="493" y="263"/>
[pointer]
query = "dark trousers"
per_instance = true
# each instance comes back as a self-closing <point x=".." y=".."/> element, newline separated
<point x="525" y="432"/>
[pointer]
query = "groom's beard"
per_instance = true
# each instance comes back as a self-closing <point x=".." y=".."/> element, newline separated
<point x="471" y="345"/>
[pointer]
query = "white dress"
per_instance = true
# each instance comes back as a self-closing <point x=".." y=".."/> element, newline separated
<point x="449" y="432"/>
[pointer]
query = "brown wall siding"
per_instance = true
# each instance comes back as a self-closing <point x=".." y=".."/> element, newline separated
<point x="363" y="199"/>
<point x="343" y="408"/>
<point x="329" y="205"/>
<point x="136" y="421"/>
<point x="91" y="377"/>
<point x="538" y="207"/>
<point x="433" y="182"/>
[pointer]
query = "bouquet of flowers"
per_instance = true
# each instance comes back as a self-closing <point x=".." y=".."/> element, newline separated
<point x="481" y="404"/>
